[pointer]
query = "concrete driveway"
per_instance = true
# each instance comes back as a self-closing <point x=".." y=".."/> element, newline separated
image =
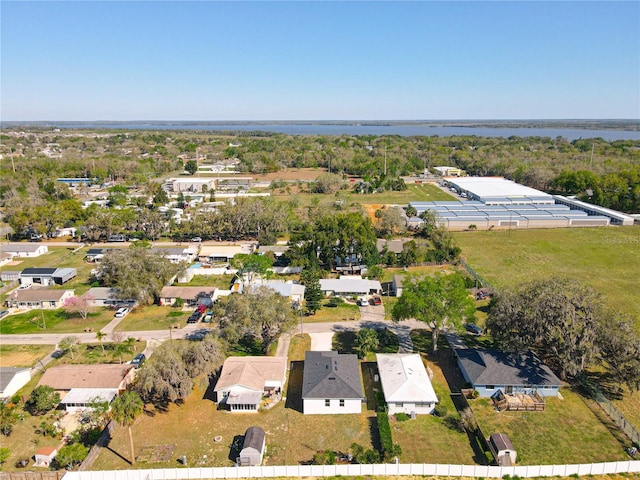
<point x="321" y="342"/>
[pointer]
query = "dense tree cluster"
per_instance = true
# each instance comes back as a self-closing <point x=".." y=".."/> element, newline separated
<point x="567" y="324"/>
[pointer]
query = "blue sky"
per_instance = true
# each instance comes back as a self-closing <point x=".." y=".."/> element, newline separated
<point x="121" y="60"/>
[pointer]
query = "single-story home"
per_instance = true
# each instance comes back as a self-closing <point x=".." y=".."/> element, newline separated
<point x="13" y="379"/>
<point x="277" y="250"/>
<point x="519" y="372"/>
<point x="349" y="285"/>
<point x="190" y="295"/>
<point x="253" y="447"/>
<point x="244" y="381"/>
<point x="177" y="254"/>
<point x="23" y="250"/>
<point x="96" y="254"/>
<point x="38" y="298"/>
<point x="47" y="276"/>
<point x="44" y="456"/>
<point x="10" y="276"/>
<point x="502" y="449"/>
<point x="331" y="383"/>
<point x="397" y="283"/>
<point x="223" y="253"/>
<point x="106" y="297"/>
<point x="79" y="385"/>
<point x="293" y="291"/>
<point x="405" y="383"/>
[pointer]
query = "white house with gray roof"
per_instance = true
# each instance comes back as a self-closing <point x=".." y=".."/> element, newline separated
<point x="21" y="250"/>
<point x="348" y="285"/>
<point x="13" y="379"/>
<point x="519" y="372"/>
<point x="331" y="383"/>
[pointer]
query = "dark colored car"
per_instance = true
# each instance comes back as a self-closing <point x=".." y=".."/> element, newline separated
<point x="138" y="360"/>
<point x="4" y="313"/>
<point x="195" y="317"/>
<point x="473" y="328"/>
<point x="376" y="301"/>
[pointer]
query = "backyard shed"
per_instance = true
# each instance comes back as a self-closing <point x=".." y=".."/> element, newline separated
<point x="44" y="456"/>
<point x="502" y="449"/>
<point x="253" y="447"/>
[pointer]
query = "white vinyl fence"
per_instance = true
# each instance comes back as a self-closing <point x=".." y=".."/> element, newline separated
<point x="632" y="466"/>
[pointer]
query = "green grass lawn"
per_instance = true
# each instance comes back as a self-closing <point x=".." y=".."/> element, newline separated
<point x="414" y="193"/>
<point x="55" y="321"/>
<point x="91" y="353"/>
<point x="567" y="431"/>
<point x="218" y="281"/>
<point x="298" y="346"/>
<point x="341" y="313"/>
<point x="153" y="317"/>
<point x="603" y="258"/>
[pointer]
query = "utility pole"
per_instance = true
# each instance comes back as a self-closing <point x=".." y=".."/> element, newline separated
<point x="385" y="160"/>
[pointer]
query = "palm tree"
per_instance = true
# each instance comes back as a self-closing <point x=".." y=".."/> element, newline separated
<point x="124" y="410"/>
<point x="100" y="335"/>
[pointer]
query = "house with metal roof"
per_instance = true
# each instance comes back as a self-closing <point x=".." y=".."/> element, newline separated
<point x="348" y="285"/>
<point x="511" y="372"/>
<point x="289" y="289"/>
<point x="47" y="276"/>
<point x="331" y="383"/>
<point x="189" y="295"/>
<point x="38" y="298"/>
<point x="13" y="379"/>
<point x="405" y="383"/>
<point x="244" y="381"/>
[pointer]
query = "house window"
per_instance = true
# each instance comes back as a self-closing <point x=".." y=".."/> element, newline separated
<point x="342" y="402"/>
<point x="327" y="402"/>
<point x="490" y="387"/>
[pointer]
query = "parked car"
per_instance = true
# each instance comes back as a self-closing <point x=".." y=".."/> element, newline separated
<point x="138" y="360"/>
<point x="121" y="312"/>
<point x="195" y="317"/>
<point x="4" y="313"/>
<point x="25" y="286"/>
<point x="473" y="329"/>
<point x="35" y="237"/>
<point x="116" y="238"/>
<point x="363" y="302"/>
<point x="201" y="308"/>
<point x="196" y="239"/>
<point x="376" y="301"/>
<point x="208" y="317"/>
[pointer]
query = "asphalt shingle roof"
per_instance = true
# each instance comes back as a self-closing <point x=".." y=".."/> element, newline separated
<point x="493" y="367"/>
<point x="331" y="375"/>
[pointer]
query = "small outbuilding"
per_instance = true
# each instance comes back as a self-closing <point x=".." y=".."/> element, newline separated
<point x="44" y="456"/>
<point x="253" y="447"/>
<point x="502" y="449"/>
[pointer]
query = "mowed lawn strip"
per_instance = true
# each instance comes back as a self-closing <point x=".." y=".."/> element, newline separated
<point x="55" y="321"/>
<point x="23" y="355"/>
<point x="153" y="317"/>
<point x="605" y="259"/>
<point x="567" y="431"/>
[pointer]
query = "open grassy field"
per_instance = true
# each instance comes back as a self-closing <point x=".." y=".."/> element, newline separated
<point x="55" y="321"/>
<point x="23" y="355"/>
<point x="567" y="431"/>
<point x="153" y="317"/>
<point x="341" y="313"/>
<point x="607" y="259"/>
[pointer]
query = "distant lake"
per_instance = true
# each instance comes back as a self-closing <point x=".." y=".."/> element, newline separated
<point x="356" y="129"/>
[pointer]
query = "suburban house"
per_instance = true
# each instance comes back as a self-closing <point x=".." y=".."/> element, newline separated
<point x="223" y="253"/>
<point x="293" y="291"/>
<point x="96" y="254"/>
<point x="23" y="250"/>
<point x="502" y="449"/>
<point x="177" y="254"/>
<point x="10" y="275"/>
<point x="189" y="185"/>
<point x="244" y="381"/>
<point x="331" y="383"/>
<point x="44" y="456"/>
<point x="489" y="371"/>
<point x="349" y="285"/>
<point x="38" y="298"/>
<point x="398" y="281"/>
<point x="277" y="250"/>
<point x="47" y="276"/>
<point x="13" y="379"/>
<point x="405" y="383"/>
<point x="106" y="297"/>
<point x="191" y="296"/>
<point x="80" y="385"/>
<point x="252" y="448"/>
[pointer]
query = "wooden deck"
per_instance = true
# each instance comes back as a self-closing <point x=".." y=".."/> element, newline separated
<point x="532" y="402"/>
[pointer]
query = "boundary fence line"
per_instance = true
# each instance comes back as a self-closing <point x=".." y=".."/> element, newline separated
<point x="391" y="469"/>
